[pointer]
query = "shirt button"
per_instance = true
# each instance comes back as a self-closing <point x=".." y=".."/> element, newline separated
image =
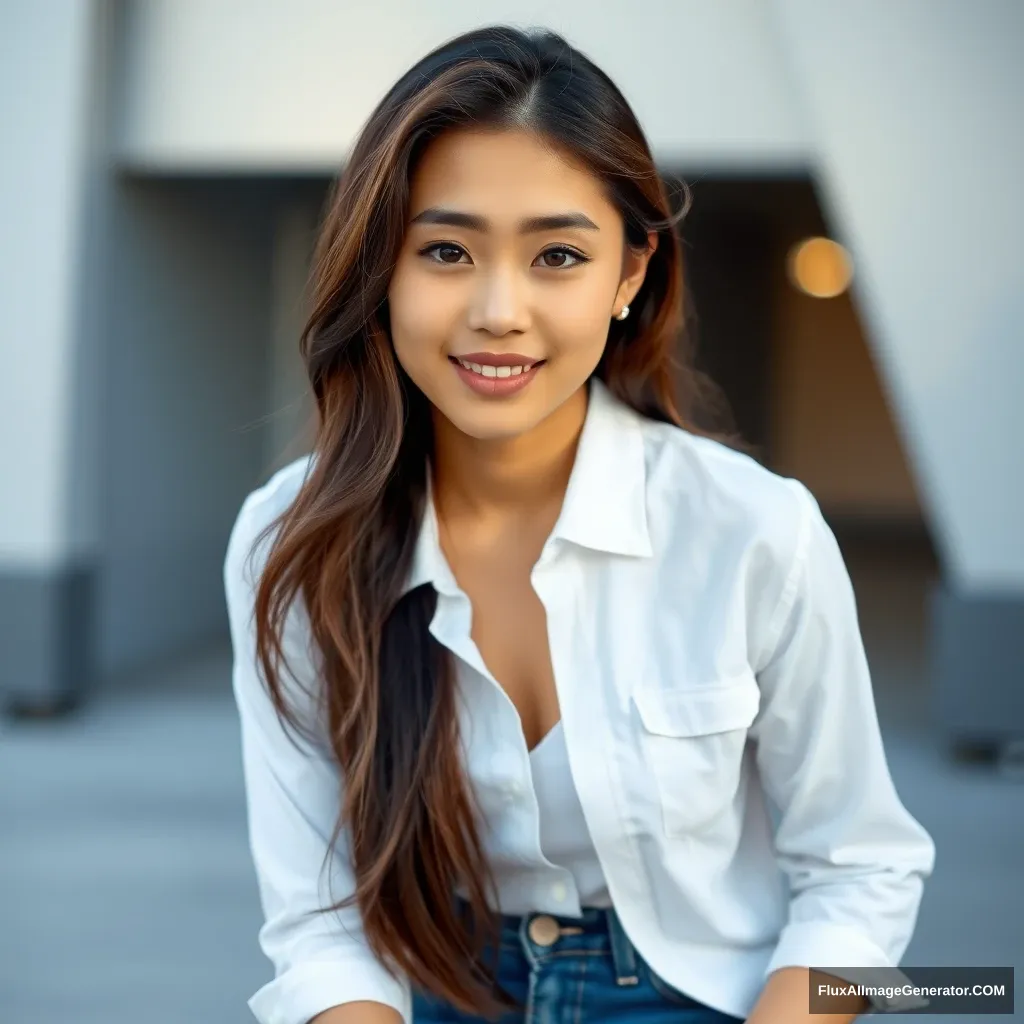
<point x="559" y="891"/>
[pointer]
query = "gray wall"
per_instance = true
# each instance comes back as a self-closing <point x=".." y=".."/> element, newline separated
<point x="185" y="380"/>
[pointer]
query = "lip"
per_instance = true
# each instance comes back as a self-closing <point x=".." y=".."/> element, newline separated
<point x="494" y="359"/>
<point x="497" y="387"/>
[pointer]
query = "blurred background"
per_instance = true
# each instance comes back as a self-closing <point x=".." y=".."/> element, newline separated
<point x="855" y="283"/>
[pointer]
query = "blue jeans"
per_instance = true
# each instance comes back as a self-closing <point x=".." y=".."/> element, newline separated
<point x="573" y="971"/>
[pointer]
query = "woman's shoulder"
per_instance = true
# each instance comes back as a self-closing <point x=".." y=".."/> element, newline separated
<point x="248" y="548"/>
<point x="261" y="508"/>
<point x="276" y="494"/>
<point x="704" y="488"/>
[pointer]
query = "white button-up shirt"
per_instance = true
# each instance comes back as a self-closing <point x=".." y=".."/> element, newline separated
<point x="717" y="712"/>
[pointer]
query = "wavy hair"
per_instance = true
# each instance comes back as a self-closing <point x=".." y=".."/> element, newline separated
<point x="344" y="548"/>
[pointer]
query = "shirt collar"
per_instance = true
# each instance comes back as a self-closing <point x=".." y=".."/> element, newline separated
<point x="605" y="506"/>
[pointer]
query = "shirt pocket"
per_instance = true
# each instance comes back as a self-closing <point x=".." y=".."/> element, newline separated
<point x="693" y="737"/>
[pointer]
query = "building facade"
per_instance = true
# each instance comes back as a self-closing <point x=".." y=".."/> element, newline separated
<point x="165" y="168"/>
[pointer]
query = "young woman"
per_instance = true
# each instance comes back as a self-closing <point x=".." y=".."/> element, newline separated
<point x="551" y="706"/>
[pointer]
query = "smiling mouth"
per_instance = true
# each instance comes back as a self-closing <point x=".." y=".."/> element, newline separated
<point x="486" y="370"/>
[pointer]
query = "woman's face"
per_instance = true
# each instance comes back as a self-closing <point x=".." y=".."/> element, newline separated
<point x="515" y="262"/>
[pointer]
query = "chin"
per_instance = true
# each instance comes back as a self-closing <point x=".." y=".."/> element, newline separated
<point x="492" y="424"/>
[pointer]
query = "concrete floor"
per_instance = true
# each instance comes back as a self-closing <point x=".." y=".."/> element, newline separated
<point x="127" y="889"/>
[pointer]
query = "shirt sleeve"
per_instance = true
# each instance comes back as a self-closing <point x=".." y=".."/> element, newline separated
<point x="855" y="859"/>
<point x="293" y="797"/>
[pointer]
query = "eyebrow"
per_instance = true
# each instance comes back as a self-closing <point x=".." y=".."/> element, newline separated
<point x="527" y="226"/>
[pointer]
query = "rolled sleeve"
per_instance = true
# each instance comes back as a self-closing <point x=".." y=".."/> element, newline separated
<point x="309" y="988"/>
<point x="293" y="797"/>
<point x="854" y="857"/>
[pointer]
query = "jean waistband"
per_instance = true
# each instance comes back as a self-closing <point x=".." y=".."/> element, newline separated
<point x="538" y="933"/>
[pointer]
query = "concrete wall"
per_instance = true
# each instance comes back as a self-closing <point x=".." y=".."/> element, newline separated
<point x="906" y="114"/>
<point x="48" y="55"/>
<point x="832" y="423"/>
<point x="915" y="111"/>
<point x="186" y="384"/>
<point x="54" y="75"/>
<point x="289" y="433"/>
<point x="244" y="83"/>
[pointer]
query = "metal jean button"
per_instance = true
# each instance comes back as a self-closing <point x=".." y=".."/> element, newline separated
<point x="544" y="930"/>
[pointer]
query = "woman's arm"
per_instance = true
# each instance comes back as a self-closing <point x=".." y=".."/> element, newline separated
<point x="294" y="795"/>
<point x="786" y="1000"/>
<point x="359" y="1013"/>
<point x="854" y="857"/>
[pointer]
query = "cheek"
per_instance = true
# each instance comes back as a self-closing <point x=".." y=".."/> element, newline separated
<point x="583" y="326"/>
<point x="578" y="319"/>
<point x="420" y="318"/>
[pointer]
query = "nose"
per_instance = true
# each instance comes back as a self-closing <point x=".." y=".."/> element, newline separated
<point x="499" y="304"/>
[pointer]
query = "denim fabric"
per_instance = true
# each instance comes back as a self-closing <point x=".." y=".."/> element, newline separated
<point x="590" y="972"/>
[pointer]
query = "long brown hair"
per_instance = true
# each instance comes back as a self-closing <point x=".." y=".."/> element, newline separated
<point x="344" y="547"/>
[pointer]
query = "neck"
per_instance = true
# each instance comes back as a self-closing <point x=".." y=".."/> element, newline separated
<point x="495" y="481"/>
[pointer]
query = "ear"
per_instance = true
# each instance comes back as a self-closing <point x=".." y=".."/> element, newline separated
<point x="634" y="269"/>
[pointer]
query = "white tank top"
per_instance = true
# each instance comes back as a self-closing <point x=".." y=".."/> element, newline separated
<point x="564" y="836"/>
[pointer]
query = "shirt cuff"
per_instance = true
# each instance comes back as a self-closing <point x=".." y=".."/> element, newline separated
<point x="309" y="988"/>
<point x="847" y="954"/>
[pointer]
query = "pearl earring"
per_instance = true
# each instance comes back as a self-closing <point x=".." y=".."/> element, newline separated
<point x="623" y="314"/>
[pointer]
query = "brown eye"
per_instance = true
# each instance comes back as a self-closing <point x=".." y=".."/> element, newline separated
<point x="562" y="258"/>
<point x="444" y="252"/>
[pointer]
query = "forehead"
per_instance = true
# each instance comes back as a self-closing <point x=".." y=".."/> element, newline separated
<point x="504" y="171"/>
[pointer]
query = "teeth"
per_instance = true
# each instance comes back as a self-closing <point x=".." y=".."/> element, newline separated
<point x="494" y="371"/>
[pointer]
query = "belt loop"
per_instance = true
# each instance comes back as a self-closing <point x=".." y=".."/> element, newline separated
<point x="623" y="954"/>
